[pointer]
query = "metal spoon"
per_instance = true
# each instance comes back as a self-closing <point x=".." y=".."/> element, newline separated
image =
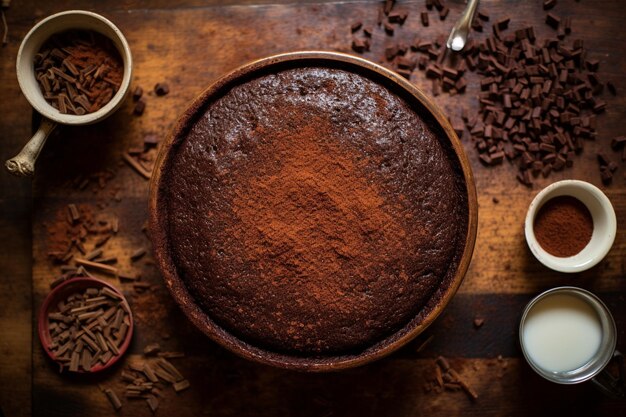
<point x="460" y="31"/>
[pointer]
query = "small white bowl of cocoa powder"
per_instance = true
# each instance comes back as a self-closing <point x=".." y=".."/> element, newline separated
<point x="570" y="226"/>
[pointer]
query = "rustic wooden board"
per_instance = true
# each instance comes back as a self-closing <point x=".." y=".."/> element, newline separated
<point x="190" y="45"/>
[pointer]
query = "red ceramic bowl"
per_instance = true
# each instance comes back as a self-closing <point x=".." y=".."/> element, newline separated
<point x="63" y="291"/>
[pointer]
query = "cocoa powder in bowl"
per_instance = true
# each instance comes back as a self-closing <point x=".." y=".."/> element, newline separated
<point x="563" y="226"/>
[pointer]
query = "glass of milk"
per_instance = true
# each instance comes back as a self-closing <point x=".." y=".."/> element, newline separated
<point x="568" y="336"/>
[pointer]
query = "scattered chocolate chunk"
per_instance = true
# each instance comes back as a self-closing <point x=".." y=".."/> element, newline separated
<point x="567" y="25"/>
<point x="388" y="6"/>
<point x="424" y="18"/>
<point x="138" y="254"/>
<point x="398" y="17"/>
<point x="140" y="107"/>
<point x="592" y="64"/>
<point x="436" y="89"/>
<point x="113" y="399"/>
<point x="359" y="45"/>
<point x="607" y="168"/>
<point x="443" y="363"/>
<point x="503" y="23"/>
<point x="367" y="31"/>
<point x="356" y="26"/>
<point x="618" y="142"/>
<point x="477" y="26"/>
<point x="611" y="87"/>
<point x="152" y="349"/>
<point x="73" y="213"/>
<point x="181" y="385"/>
<point x="444" y="13"/>
<point x="606" y="175"/>
<point x="389" y="29"/>
<point x="107" y="269"/>
<point x="137" y="93"/>
<point x="150" y="140"/>
<point x="153" y="402"/>
<point x="433" y="71"/>
<point x="391" y="52"/>
<point x="553" y="21"/>
<point x="161" y="89"/>
<point x="482" y="15"/>
<point x="133" y="163"/>
<point x="548" y="4"/>
<point x="468" y="390"/>
<point x="448" y="378"/>
<point x="404" y="72"/>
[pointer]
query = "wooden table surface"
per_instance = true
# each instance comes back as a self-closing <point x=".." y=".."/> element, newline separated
<point x="190" y="43"/>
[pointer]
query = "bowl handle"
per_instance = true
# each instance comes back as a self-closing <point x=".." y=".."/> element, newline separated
<point x="23" y="164"/>
<point x="610" y="384"/>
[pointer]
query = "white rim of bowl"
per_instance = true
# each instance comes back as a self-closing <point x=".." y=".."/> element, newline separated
<point x="586" y="258"/>
<point x="50" y="112"/>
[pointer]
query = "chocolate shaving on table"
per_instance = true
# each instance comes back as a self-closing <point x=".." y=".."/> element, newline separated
<point x="108" y="269"/>
<point x="152" y="349"/>
<point x="113" y="399"/>
<point x="424" y="18"/>
<point x="181" y="385"/>
<point x="449" y="379"/>
<point x="148" y="377"/>
<point x="150" y="140"/>
<point x="133" y="163"/>
<point x="138" y="254"/>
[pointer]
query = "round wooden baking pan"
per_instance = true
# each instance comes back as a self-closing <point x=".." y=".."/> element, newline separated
<point x="177" y="286"/>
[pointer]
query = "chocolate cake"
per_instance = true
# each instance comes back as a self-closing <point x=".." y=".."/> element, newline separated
<point x="312" y="210"/>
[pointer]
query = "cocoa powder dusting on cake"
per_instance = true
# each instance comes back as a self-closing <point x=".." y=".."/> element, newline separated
<point x="316" y="215"/>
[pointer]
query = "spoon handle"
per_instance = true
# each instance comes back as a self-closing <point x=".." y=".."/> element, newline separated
<point x="23" y="164"/>
<point x="461" y="29"/>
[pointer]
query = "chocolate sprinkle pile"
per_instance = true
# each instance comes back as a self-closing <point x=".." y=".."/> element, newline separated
<point x="539" y="99"/>
<point x="538" y="102"/>
<point x="147" y="378"/>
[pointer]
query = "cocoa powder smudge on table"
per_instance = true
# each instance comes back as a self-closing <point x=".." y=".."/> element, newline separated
<point x="563" y="226"/>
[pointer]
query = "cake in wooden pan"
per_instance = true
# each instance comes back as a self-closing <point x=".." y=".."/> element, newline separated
<point x="312" y="211"/>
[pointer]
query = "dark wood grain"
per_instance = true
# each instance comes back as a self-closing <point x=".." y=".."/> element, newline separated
<point x="191" y="43"/>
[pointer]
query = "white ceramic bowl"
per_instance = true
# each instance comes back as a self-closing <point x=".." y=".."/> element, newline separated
<point x="60" y="22"/>
<point x="604" y="225"/>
